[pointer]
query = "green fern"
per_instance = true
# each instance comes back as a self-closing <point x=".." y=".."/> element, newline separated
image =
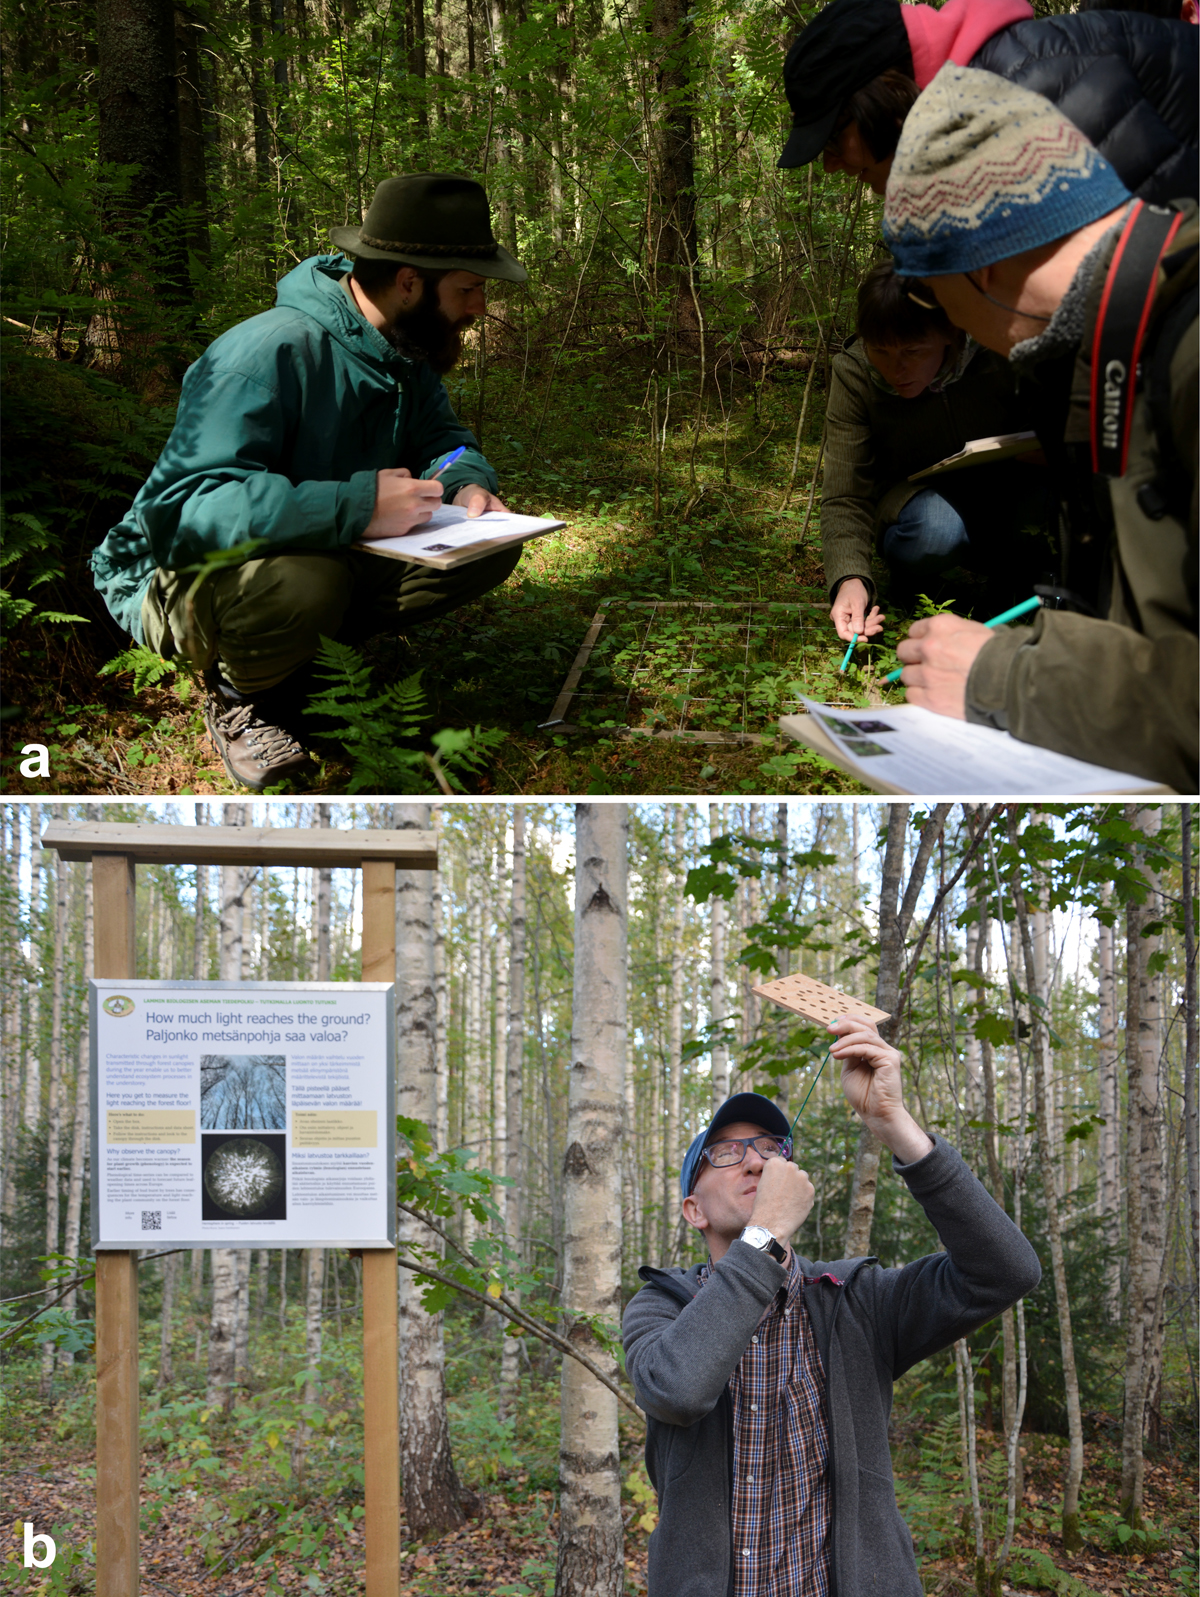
<point x="148" y="668"/>
<point x="380" y="730"/>
<point x="1036" y="1569"/>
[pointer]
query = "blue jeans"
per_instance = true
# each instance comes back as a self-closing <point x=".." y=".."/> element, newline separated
<point x="928" y="537"/>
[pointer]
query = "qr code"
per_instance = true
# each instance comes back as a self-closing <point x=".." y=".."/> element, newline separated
<point x="151" y="1219"/>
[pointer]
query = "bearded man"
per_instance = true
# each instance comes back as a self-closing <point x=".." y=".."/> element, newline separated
<point x="315" y="427"/>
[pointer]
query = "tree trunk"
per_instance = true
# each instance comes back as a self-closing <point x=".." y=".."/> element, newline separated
<point x="139" y="127"/>
<point x="1143" y="1178"/>
<point x="1191" y="1141"/>
<point x="432" y="1494"/>
<point x="1036" y="982"/>
<point x="893" y="929"/>
<point x="80" y="1135"/>
<point x="718" y="1004"/>
<point x="193" y="180"/>
<point x="54" y="1100"/>
<point x="441" y="1127"/>
<point x="671" y="1163"/>
<point x="32" y="1104"/>
<point x="166" y="1366"/>
<point x="1108" y="1064"/>
<point x="514" y="1091"/>
<point x="673" y="243"/>
<point x="222" y="1331"/>
<point x="591" y="1540"/>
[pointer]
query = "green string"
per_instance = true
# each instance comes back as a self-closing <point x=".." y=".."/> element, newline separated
<point x="809" y="1093"/>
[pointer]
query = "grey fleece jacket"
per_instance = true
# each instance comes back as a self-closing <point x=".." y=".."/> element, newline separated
<point x="871" y="1324"/>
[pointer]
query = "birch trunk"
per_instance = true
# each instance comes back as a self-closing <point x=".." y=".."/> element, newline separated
<point x="324" y="889"/>
<point x="591" y="1540"/>
<point x="32" y="1109"/>
<point x="1190" y="1129"/>
<point x="718" y="1004"/>
<point x="441" y="1128"/>
<point x="241" y="1332"/>
<point x="893" y="929"/>
<point x="672" y="1161"/>
<point x="222" y="1329"/>
<point x="1108" y="1066"/>
<point x="166" y="1366"/>
<point x="514" y="1091"/>
<point x="432" y="1493"/>
<point x="54" y="1098"/>
<point x="80" y="1133"/>
<point x="1143" y="1179"/>
<point x="1036" y="982"/>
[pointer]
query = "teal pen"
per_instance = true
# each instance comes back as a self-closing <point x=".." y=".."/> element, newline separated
<point x="1021" y="609"/>
<point x="849" y="652"/>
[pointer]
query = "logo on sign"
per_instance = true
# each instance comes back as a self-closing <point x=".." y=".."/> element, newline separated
<point x="118" y="1006"/>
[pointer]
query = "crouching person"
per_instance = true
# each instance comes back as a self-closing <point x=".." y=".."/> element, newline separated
<point x="316" y="426"/>
<point x="767" y="1378"/>
<point x="909" y="390"/>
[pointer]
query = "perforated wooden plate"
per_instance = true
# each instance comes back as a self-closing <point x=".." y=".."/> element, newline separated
<point x="812" y="999"/>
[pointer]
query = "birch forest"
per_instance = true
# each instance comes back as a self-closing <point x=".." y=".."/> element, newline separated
<point x="573" y="1003"/>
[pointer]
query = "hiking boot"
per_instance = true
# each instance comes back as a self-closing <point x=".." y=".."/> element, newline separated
<point x="254" y="752"/>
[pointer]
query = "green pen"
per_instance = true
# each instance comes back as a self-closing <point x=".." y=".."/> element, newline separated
<point x="1021" y="609"/>
<point x="849" y="652"/>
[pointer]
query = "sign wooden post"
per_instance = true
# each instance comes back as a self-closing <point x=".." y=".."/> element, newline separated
<point x="117" y="1467"/>
<point x="114" y="851"/>
<point x="381" y="1352"/>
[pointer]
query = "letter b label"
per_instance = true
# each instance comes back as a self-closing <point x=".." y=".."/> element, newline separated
<point x="32" y="1561"/>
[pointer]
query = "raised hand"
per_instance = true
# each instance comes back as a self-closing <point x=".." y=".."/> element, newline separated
<point x="874" y="1087"/>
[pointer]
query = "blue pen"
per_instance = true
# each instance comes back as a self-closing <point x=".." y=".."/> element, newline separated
<point x="1021" y="609"/>
<point x="848" y="653"/>
<point x="449" y="461"/>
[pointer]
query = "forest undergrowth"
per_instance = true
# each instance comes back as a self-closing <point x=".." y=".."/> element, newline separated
<point x="232" y="1507"/>
<point x="694" y="513"/>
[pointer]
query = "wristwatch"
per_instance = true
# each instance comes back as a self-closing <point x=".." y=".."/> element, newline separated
<point x="759" y="1237"/>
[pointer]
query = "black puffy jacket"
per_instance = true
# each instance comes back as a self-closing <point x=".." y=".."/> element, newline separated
<point x="1127" y="80"/>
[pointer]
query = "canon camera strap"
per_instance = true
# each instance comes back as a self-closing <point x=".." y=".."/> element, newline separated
<point x="1120" y="329"/>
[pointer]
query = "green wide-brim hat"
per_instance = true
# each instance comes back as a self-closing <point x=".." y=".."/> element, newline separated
<point x="431" y="219"/>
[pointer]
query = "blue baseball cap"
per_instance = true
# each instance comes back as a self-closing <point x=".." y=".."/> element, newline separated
<point x="751" y="1107"/>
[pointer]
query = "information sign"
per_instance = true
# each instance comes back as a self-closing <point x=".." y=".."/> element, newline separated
<point x="242" y="1114"/>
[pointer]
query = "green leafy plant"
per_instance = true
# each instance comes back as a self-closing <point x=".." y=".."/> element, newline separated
<point x="146" y="666"/>
<point x="381" y="730"/>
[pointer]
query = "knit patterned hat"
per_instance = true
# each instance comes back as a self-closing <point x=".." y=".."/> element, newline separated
<point x="984" y="170"/>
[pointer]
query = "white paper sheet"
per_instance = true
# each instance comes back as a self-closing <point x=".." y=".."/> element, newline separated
<point x="449" y="529"/>
<point x="915" y="751"/>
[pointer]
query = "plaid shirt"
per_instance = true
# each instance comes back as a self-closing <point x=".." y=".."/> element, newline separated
<point x="780" y="1454"/>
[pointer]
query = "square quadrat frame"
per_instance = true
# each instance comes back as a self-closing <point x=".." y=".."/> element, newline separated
<point x="757" y="618"/>
<point x="115" y="850"/>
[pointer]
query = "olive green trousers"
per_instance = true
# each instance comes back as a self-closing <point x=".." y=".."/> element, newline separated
<point x="264" y="619"/>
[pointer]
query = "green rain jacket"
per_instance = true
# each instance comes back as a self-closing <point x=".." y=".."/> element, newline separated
<point x="282" y="424"/>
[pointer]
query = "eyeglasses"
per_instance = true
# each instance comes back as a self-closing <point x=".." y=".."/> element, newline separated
<point x="911" y="293"/>
<point x="723" y="1154"/>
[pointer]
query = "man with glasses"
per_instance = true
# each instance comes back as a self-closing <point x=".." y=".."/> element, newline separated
<point x="767" y="1378"/>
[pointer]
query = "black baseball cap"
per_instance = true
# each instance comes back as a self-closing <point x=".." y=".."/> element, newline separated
<point x="846" y="44"/>
<point x="751" y="1107"/>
